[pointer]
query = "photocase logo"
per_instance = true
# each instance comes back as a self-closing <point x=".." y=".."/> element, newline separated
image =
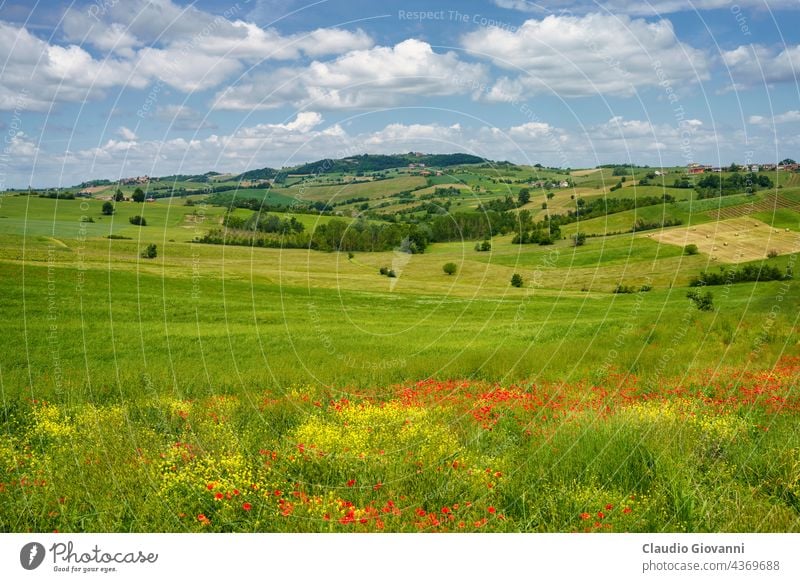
<point x="31" y="555"/>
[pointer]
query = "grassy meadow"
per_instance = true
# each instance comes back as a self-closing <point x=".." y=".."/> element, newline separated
<point x="223" y="388"/>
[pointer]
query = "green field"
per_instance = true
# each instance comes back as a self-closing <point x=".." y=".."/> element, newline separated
<point x="223" y="388"/>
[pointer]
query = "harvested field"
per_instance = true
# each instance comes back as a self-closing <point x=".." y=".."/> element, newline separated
<point x="736" y="240"/>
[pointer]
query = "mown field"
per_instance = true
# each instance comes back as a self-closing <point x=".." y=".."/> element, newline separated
<point x="246" y="389"/>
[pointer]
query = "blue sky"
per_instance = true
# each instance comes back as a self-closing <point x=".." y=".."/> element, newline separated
<point x="116" y="88"/>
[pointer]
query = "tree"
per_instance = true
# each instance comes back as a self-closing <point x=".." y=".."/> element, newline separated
<point x="108" y="208"/>
<point x="524" y="196"/>
<point x="516" y="280"/>
<point x="579" y="239"/>
<point x="138" y="220"/>
<point x="551" y="195"/>
<point x="691" y="250"/>
<point x="703" y="301"/>
<point x="150" y="251"/>
<point x="138" y="195"/>
<point x="450" y="268"/>
<point x="119" y="196"/>
<point x="787" y="162"/>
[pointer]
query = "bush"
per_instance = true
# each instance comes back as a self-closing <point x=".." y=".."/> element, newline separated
<point x="691" y="250"/>
<point x="579" y="239"/>
<point x="449" y="268"/>
<point x="703" y="301"/>
<point x="645" y="288"/>
<point x="384" y="270"/>
<point x="150" y="252"/>
<point x="484" y="246"/>
<point x="108" y="208"/>
<point x="391" y="274"/>
<point x="138" y="220"/>
<point x="772" y="254"/>
<point x="516" y="280"/>
<point x="620" y="288"/>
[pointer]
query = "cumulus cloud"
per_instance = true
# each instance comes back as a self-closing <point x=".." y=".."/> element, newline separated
<point x="649" y="8"/>
<point x="376" y="77"/>
<point x="126" y="134"/>
<point x="586" y="55"/>
<point x="45" y="73"/>
<point x="753" y="65"/>
<point x="788" y="117"/>
<point x="140" y="41"/>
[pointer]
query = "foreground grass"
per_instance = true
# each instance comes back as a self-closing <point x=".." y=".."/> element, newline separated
<point x="716" y="452"/>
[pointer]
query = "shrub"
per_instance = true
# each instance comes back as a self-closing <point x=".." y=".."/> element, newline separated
<point x="449" y="268"/>
<point x="138" y="220"/>
<point x="391" y="274"/>
<point x="620" y="288"/>
<point x="703" y="301"/>
<point x="150" y="251"/>
<point x="516" y="280"/>
<point x="579" y="239"/>
<point x="691" y="250"/>
<point x="108" y="208"/>
<point x="384" y="270"/>
<point x="645" y="288"/>
<point x="772" y="254"/>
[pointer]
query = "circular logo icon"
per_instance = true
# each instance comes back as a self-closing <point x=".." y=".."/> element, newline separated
<point x="31" y="555"/>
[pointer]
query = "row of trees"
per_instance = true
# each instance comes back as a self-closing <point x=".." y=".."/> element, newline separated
<point x="714" y="185"/>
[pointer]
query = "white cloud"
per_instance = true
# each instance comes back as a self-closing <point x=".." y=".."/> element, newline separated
<point x="193" y="33"/>
<point x="377" y="77"/>
<point x="596" y="53"/>
<point x="143" y="40"/>
<point x="126" y="133"/>
<point x="788" y="117"/>
<point x="649" y="8"/>
<point x="43" y="73"/>
<point x="20" y="146"/>
<point x="753" y="65"/>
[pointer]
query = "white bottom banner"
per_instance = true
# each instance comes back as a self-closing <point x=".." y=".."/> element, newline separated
<point x="354" y="557"/>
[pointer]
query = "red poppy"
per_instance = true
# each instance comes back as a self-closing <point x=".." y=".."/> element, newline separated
<point x="492" y="509"/>
<point x="585" y="515"/>
<point x="218" y="496"/>
<point x="277" y="493"/>
<point x="600" y="514"/>
<point x="609" y="507"/>
<point x="351" y="482"/>
<point x="626" y="510"/>
<point x="246" y="506"/>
